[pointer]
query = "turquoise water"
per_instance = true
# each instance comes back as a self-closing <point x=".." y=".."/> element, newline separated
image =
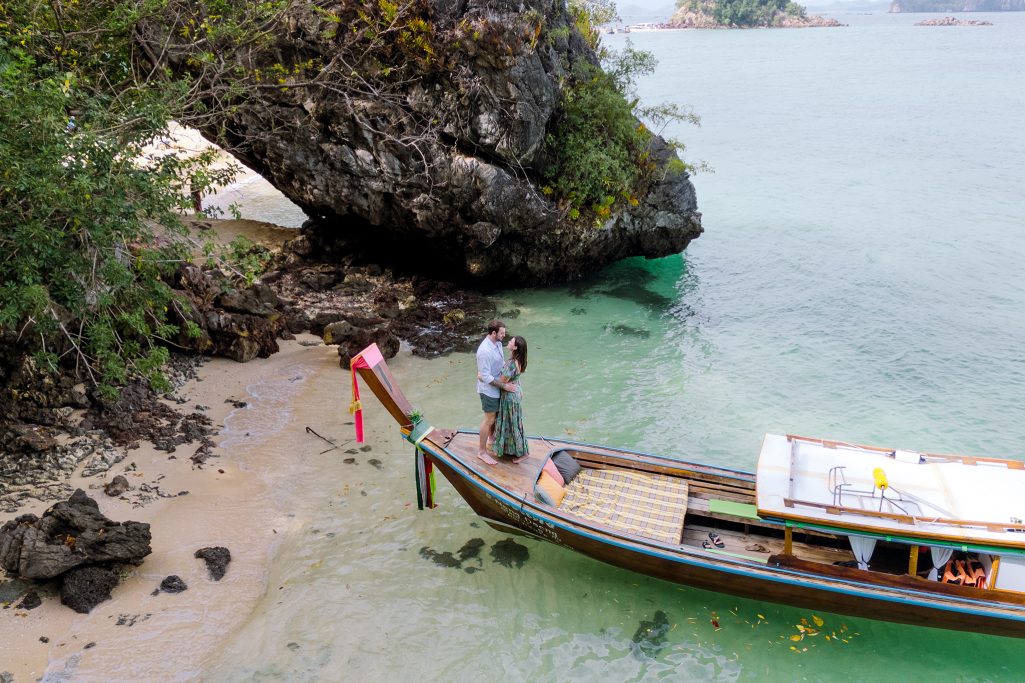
<point x="858" y="279"/>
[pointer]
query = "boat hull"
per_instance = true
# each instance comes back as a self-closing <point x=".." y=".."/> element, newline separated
<point x="701" y="570"/>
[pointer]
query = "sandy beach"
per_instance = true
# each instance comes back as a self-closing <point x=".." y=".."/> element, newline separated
<point x="236" y="500"/>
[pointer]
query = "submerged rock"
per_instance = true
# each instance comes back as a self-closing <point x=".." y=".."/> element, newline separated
<point x="650" y="636"/>
<point x="509" y="553"/>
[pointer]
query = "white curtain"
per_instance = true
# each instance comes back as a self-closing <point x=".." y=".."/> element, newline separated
<point x="940" y="557"/>
<point x="863" y="548"/>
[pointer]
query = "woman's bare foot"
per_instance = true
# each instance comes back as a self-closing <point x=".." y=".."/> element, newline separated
<point x="486" y="459"/>
<point x="520" y="459"/>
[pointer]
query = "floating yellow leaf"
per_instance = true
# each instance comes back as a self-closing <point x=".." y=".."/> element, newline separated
<point x="761" y="616"/>
<point x="818" y="620"/>
<point x="793" y="648"/>
<point x="796" y="638"/>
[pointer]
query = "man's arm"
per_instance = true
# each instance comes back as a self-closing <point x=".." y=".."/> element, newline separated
<point x="483" y="372"/>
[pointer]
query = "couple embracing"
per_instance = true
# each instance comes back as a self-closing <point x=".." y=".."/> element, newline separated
<point x="501" y="431"/>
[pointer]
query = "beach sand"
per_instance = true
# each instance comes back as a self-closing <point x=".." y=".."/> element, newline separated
<point x="238" y="500"/>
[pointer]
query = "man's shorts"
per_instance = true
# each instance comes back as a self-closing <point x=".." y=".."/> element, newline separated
<point x="488" y="403"/>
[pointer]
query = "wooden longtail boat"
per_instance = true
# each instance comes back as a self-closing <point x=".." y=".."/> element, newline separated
<point x="916" y="538"/>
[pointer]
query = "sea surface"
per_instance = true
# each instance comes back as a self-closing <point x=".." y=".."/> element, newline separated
<point x="860" y="278"/>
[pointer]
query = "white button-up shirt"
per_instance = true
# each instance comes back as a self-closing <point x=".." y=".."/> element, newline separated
<point x="490" y="360"/>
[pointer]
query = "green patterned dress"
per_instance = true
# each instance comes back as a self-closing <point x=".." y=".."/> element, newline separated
<point x="509" y="438"/>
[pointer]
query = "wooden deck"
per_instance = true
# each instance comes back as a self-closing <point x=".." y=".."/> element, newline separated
<point x="745" y="542"/>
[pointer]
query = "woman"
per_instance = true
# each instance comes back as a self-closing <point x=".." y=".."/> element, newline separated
<point x="510" y="440"/>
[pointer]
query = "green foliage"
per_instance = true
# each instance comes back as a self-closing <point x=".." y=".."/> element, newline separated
<point x="749" y="12"/>
<point x="246" y="259"/>
<point x="600" y="152"/>
<point x="589" y="14"/>
<point x="88" y="212"/>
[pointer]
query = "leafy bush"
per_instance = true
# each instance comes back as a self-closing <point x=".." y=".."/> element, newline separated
<point x="87" y="212"/>
<point x="600" y="152"/>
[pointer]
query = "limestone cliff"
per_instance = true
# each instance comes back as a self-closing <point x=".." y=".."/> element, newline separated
<point x="418" y="131"/>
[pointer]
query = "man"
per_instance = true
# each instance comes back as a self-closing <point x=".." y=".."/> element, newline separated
<point x="490" y="360"/>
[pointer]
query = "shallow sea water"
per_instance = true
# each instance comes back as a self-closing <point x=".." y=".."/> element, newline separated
<point x="858" y="279"/>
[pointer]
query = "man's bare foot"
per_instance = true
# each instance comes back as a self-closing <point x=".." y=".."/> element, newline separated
<point x="486" y="459"/>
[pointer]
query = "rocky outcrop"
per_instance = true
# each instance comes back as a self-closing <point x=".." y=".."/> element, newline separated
<point x="899" y="6"/>
<point x="76" y="544"/>
<point x="217" y="559"/>
<point x="352" y="306"/>
<point x="85" y="587"/>
<point x="953" y="21"/>
<point x="703" y="14"/>
<point x="217" y="317"/>
<point x="70" y="534"/>
<point x="426" y="147"/>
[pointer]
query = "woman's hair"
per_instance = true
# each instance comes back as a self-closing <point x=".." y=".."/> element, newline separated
<point x="520" y="354"/>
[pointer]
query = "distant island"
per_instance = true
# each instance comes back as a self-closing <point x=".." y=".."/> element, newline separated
<point x="957" y="6"/>
<point x="951" y="21"/>
<point x="745" y="14"/>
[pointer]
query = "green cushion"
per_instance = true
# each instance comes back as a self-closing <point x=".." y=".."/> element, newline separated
<point x="731" y="507"/>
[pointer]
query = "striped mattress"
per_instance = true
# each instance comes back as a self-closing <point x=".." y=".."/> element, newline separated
<point x="639" y="503"/>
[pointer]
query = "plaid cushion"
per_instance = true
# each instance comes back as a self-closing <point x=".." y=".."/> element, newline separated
<point x="648" y="505"/>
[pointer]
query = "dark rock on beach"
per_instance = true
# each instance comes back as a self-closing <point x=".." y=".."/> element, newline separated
<point x="30" y="601"/>
<point x="68" y="535"/>
<point x="173" y="584"/>
<point x="217" y="559"/>
<point x="432" y="317"/>
<point x="116" y="486"/>
<point x="85" y="587"/>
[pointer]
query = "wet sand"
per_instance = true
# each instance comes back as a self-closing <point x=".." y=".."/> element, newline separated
<point x="238" y="500"/>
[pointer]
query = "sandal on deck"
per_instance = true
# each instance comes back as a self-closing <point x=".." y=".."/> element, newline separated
<point x="716" y="541"/>
<point x="706" y="545"/>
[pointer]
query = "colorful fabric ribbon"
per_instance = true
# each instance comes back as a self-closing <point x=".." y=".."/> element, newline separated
<point x="424" y="481"/>
<point x="355" y="406"/>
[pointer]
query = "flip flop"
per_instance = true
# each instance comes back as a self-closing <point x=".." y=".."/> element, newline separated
<point x="716" y="541"/>
<point x="706" y="545"/>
